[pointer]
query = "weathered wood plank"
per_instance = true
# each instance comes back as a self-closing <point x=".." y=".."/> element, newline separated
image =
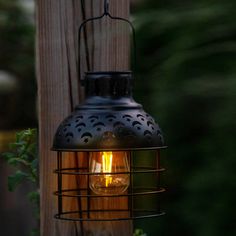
<point x="59" y="91"/>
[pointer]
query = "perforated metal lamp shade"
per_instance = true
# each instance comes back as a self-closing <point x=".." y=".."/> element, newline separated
<point x="108" y="120"/>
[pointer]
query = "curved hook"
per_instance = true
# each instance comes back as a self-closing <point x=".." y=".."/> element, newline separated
<point x="106" y="13"/>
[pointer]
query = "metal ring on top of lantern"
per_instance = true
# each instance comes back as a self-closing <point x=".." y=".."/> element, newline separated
<point x="108" y="136"/>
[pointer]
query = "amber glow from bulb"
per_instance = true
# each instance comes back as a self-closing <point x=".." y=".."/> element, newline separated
<point x="110" y="172"/>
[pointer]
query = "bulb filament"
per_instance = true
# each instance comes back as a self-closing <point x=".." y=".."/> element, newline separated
<point x="110" y="172"/>
<point x="107" y="166"/>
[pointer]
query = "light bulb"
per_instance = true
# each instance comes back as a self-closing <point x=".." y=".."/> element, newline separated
<point x="110" y="172"/>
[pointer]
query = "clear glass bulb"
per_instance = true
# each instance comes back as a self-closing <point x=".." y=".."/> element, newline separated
<point x="108" y="165"/>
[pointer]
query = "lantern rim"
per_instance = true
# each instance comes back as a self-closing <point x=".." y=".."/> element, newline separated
<point x="108" y="149"/>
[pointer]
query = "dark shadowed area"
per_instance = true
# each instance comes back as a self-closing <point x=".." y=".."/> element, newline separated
<point x="187" y="80"/>
<point x="18" y="107"/>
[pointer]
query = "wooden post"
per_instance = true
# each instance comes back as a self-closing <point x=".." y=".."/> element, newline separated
<point x="59" y="90"/>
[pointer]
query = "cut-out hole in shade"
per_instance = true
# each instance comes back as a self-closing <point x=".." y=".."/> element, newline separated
<point x="139" y="115"/>
<point x="99" y="124"/>
<point x="149" y="123"/>
<point x="87" y="134"/>
<point x="127" y="116"/>
<point x="69" y="135"/>
<point x="80" y="125"/>
<point x="147" y="133"/>
<point x="66" y="127"/>
<point x="93" y="117"/>
<point x="136" y="123"/>
<point x="86" y="137"/>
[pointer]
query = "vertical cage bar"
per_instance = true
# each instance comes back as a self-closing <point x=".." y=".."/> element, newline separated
<point x="59" y="182"/>
<point x="79" y="192"/>
<point x="88" y="188"/>
<point x="130" y="197"/>
<point x="158" y="166"/>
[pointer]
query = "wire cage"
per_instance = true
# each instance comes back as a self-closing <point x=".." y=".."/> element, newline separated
<point x="139" y="192"/>
<point x="108" y="141"/>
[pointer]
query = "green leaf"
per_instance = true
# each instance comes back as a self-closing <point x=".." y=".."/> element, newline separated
<point x="139" y="232"/>
<point x="17" y="144"/>
<point x="32" y="178"/>
<point x="16" y="179"/>
<point x="34" y="197"/>
<point x="35" y="232"/>
<point x="8" y="155"/>
<point x="15" y="161"/>
<point x="34" y="163"/>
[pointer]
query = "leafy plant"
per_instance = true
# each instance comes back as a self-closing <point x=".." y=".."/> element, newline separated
<point x="139" y="232"/>
<point x="23" y="156"/>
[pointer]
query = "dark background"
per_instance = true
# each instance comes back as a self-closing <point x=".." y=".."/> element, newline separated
<point x="17" y="107"/>
<point x="187" y="54"/>
<point x="185" y="78"/>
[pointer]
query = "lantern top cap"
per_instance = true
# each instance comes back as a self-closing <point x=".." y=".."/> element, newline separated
<point x="108" y="74"/>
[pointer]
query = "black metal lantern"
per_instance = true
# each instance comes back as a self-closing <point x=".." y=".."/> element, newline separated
<point x="109" y="127"/>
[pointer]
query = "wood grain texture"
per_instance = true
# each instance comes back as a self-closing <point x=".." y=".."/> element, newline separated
<point x="59" y="90"/>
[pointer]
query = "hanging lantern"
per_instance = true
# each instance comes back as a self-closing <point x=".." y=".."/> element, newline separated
<point x="109" y="130"/>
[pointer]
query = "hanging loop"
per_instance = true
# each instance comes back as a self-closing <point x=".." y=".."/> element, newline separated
<point x="106" y="7"/>
<point x="106" y="13"/>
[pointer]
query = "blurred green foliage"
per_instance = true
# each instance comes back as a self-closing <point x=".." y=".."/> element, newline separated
<point x="23" y="156"/>
<point x="17" y="57"/>
<point x="187" y="58"/>
<point x="139" y="232"/>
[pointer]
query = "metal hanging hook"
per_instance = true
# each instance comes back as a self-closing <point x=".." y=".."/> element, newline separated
<point x="106" y="13"/>
<point x="106" y="7"/>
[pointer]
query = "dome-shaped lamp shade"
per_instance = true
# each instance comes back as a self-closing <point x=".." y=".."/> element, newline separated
<point x="109" y="119"/>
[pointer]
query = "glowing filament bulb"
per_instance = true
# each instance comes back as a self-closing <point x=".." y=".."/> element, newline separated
<point x="110" y="172"/>
<point x="107" y="164"/>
